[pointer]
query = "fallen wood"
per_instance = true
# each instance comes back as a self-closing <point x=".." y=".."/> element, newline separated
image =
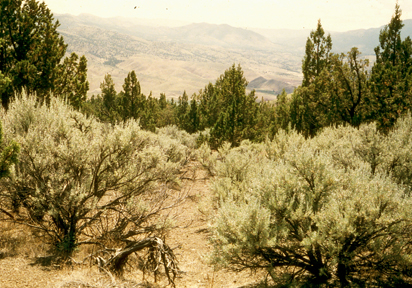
<point x="159" y="255"/>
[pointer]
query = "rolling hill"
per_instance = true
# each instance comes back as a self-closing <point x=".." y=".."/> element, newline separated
<point x="187" y="57"/>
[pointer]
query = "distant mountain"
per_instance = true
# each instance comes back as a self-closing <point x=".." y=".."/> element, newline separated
<point x="365" y="39"/>
<point x="294" y="40"/>
<point x="173" y="58"/>
<point x="221" y="35"/>
<point x="273" y="86"/>
<point x="195" y="33"/>
<point x="89" y="19"/>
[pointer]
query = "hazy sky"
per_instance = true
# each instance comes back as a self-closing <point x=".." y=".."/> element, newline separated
<point x="336" y="15"/>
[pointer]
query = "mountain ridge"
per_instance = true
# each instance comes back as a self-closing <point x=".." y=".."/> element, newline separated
<point x="174" y="59"/>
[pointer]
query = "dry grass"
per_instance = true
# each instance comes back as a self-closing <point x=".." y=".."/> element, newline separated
<point x="23" y="262"/>
<point x="172" y="77"/>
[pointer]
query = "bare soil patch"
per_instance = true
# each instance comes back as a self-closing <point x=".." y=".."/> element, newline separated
<point x="190" y="238"/>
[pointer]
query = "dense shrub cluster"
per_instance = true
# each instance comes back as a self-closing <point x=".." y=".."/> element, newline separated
<point x="79" y="181"/>
<point x="334" y="210"/>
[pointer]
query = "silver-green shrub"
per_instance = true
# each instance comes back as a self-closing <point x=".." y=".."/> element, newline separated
<point x="79" y="181"/>
<point x="398" y="152"/>
<point x="322" y="212"/>
<point x="207" y="158"/>
<point x="172" y="131"/>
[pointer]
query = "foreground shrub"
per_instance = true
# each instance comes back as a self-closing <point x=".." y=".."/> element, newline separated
<point x="311" y="219"/>
<point x="83" y="182"/>
<point x="8" y="154"/>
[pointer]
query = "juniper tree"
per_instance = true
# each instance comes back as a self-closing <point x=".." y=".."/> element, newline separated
<point x="237" y="116"/>
<point x="391" y="74"/>
<point x="131" y="101"/>
<point x="30" y="46"/>
<point x="72" y="82"/>
<point x="150" y="117"/>
<point x="182" y="110"/>
<point x="162" y="101"/>
<point x="31" y="51"/>
<point x="266" y="122"/>
<point x="311" y="101"/>
<point x="318" y="47"/>
<point x="282" y="111"/>
<point x="335" y="88"/>
<point x="349" y="88"/>
<point x="109" y="109"/>
<point x="209" y="107"/>
<point x="167" y="115"/>
<point x="193" y="116"/>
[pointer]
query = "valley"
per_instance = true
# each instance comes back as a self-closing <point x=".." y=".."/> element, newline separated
<point x="175" y="59"/>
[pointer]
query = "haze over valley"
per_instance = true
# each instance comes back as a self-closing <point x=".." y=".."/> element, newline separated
<point x="170" y="57"/>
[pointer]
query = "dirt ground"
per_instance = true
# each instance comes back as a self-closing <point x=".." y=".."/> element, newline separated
<point x="190" y="238"/>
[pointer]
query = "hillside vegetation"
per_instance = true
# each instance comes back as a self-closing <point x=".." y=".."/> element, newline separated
<point x="310" y="190"/>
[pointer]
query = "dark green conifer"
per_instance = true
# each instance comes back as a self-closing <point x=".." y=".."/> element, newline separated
<point x="109" y="108"/>
<point x="238" y="111"/>
<point x="72" y="80"/>
<point x="132" y="102"/>
<point x="31" y="51"/>
<point x="182" y="111"/>
<point x="391" y="74"/>
<point x="311" y="101"/>
<point x="193" y="116"/>
<point x="318" y="47"/>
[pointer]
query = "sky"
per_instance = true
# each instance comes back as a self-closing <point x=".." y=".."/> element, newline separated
<point x="335" y="15"/>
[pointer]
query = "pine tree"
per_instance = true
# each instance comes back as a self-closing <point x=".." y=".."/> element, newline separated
<point x="31" y="51"/>
<point x="72" y="80"/>
<point x="30" y="47"/>
<point x="109" y="110"/>
<point x="131" y="101"/>
<point x="391" y="74"/>
<point x="311" y="101"/>
<point x="318" y="47"/>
